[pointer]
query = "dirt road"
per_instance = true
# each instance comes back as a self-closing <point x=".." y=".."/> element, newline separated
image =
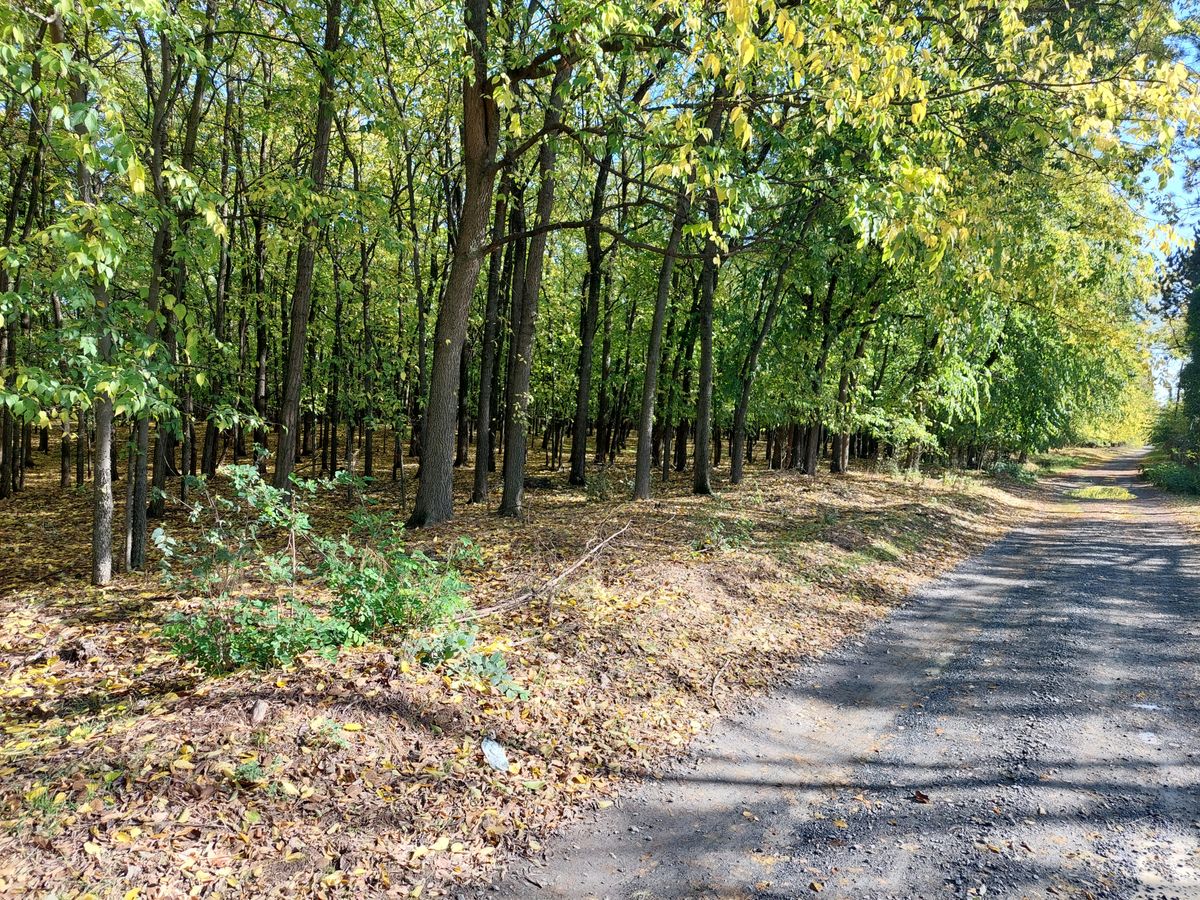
<point x="1028" y="727"/>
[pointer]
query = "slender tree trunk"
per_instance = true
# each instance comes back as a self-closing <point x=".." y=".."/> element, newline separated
<point x="463" y="431"/>
<point x="516" y="432"/>
<point x="306" y="255"/>
<point x="701" y="473"/>
<point x="641" y="478"/>
<point x="487" y="362"/>
<point x="738" y="451"/>
<point x="102" y="498"/>
<point x="81" y="448"/>
<point x="6" y="419"/>
<point x="587" y="325"/>
<point x="603" y="426"/>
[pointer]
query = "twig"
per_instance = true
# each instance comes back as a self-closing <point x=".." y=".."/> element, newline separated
<point x="712" y="691"/>
<point x="548" y="587"/>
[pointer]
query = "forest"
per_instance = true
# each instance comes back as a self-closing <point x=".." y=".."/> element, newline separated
<point x="402" y="239"/>
<point x="270" y="267"/>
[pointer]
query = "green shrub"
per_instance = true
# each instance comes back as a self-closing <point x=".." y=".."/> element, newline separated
<point x="230" y="633"/>
<point x="259" y="533"/>
<point x="720" y="535"/>
<point x="1012" y="470"/>
<point x="378" y="584"/>
<point x="388" y="587"/>
<point x="602" y="484"/>
<point x="1176" y="477"/>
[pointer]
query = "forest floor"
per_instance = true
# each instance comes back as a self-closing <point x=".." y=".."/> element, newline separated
<point x="123" y="769"/>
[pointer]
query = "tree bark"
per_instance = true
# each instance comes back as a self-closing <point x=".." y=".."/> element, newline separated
<point x="641" y="478"/>
<point x="644" y="462"/>
<point x="480" y="138"/>
<point x="737" y="450"/>
<point x="701" y="472"/>
<point x="487" y="363"/>
<point x="587" y="326"/>
<point x="517" y="425"/>
<point x="289" y="413"/>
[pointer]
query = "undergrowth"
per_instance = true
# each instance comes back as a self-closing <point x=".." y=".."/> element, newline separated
<point x="1177" y="477"/>
<point x="255" y="544"/>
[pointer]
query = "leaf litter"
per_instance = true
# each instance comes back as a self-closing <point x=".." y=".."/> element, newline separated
<point x="125" y="772"/>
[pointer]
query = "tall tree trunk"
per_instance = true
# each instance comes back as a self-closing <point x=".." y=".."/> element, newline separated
<point x="701" y="472"/>
<point x="646" y="436"/>
<point x="463" y="431"/>
<point x="587" y="324"/>
<point x="289" y="413"/>
<point x="488" y="356"/>
<point x="764" y="323"/>
<point x="6" y="418"/>
<point x="261" y="343"/>
<point x="333" y="412"/>
<point x="480" y="137"/>
<point x="641" y="478"/>
<point x="102" y="497"/>
<point x="603" y="426"/>
<point x="135" y="537"/>
<point x="517" y="429"/>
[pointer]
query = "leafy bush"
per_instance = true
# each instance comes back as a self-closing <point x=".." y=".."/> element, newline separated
<point x="232" y="534"/>
<point x="1173" y="476"/>
<point x="234" y="632"/>
<point x="720" y="534"/>
<point x="1011" y="469"/>
<point x="259" y="532"/>
<point x="389" y="587"/>
<point x="888" y="465"/>
<point x="603" y="484"/>
<point x="1174" y="432"/>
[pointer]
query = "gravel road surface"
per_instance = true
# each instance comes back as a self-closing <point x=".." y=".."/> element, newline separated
<point x="1028" y="727"/>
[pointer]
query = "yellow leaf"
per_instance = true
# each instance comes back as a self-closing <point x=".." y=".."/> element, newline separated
<point x="92" y="849"/>
<point x="352" y="726"/>
<point x="442" y="843"/>
<point x="137" y="176"/>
